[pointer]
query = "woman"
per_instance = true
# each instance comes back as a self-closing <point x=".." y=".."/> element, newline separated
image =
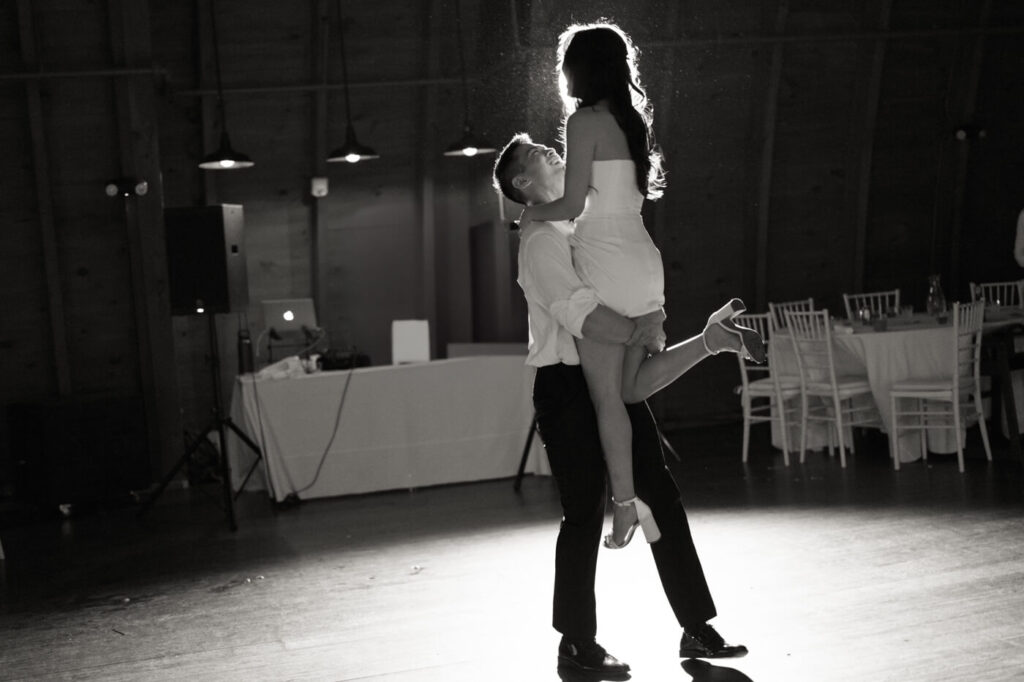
<point x="611" y="165"/>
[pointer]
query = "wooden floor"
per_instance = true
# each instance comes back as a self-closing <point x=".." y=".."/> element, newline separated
<point x="826" y="574"/>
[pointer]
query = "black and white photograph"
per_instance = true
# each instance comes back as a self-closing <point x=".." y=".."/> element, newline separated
<point x="512" y="340"/>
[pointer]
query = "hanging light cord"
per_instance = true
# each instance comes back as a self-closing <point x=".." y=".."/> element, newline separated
<point x="344" y="63"/>
<point x="462" y="62"/>
<point x="216" y="63"/>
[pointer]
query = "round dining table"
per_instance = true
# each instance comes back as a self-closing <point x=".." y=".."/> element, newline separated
<point x="915" y="347"/>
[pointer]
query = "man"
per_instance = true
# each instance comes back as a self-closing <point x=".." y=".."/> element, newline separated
<point x="560" y="307"/>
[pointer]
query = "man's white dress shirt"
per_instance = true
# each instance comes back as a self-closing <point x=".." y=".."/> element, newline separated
<point x="556" y="300"/>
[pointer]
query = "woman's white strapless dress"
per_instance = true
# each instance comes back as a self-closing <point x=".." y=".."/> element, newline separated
<point x="612" y="252"/>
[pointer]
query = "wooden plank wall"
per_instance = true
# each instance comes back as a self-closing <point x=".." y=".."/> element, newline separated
<point x="809" y="144"/>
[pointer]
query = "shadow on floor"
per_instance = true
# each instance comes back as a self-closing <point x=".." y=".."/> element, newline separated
<point x="702" y="671"/>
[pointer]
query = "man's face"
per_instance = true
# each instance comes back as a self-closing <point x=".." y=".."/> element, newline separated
<point x="543" y="172"/>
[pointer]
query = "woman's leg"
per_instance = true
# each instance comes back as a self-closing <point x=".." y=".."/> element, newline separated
<point x="678" y="564"/>
<point x="602" y="365"/>
<point x="643" y="376"/>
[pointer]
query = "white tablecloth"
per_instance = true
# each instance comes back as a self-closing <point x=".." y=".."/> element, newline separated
<point x="783" y="362"/>
<point x="401" y="427"/>
<point x="892" y="356"/>
<point x="914" y="351"/>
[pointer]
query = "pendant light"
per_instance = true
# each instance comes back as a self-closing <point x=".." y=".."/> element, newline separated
<point x="470" y="144"/>
<point x="225" y="158"/>
<point x="352" y="151"/>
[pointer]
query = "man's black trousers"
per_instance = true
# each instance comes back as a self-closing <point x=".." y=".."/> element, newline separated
<point x="568" y="427"/>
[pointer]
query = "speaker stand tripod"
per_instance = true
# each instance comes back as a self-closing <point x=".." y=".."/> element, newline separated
<point x="220" y="423"/>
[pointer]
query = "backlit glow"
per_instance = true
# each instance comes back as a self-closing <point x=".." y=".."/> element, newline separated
<point x="200" y="310"/>
<point x="288" y="316"/>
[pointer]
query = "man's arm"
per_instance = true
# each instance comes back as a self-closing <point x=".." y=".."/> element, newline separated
<point x="604" y="324"/>
<point x="573" y="305"/>
<point x="559" y="289"/>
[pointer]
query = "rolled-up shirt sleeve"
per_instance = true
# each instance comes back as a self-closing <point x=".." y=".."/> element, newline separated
<point x="555" y="284"/>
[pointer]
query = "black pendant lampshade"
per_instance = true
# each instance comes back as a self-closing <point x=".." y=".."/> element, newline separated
<point x="225" y="157"/>
<point x="352" y="151"/>
<point x="470" y="144"/>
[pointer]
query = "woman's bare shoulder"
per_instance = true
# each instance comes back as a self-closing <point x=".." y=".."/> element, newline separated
<point x="593" y="113"/>
<point x="588" y="118"/>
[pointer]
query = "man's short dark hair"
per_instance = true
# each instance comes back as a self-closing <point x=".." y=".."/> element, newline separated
<point x="507" y="167"/>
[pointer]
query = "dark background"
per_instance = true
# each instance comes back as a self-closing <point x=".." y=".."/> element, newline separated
<point x="810" y="146"/>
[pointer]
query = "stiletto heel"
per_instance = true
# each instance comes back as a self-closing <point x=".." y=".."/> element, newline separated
<point x="644" y="519"/>
<point x="752" y="345"/>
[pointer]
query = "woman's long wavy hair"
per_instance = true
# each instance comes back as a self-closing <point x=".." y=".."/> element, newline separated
<point x="598" y="61"/>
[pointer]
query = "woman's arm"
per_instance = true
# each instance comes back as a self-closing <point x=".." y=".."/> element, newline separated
<point x="580" y="143"/>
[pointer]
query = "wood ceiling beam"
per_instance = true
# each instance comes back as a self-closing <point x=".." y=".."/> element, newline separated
<point x="44" y="205"/>
<point x="764" y="190"/>
<point x="318" y="153"/>
<point x="866" y="135"/>
<point x="967" y="110"/>
<point x="137" y="125"/>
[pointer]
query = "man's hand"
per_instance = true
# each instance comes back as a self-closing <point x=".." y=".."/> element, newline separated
<point x="649" y="331"/>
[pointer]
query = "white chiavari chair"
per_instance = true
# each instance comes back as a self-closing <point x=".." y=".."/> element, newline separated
<point x="951" y="402"/>
<point x="839" y="401"/>
<point x="880" y="303"/>
<point x="778" y="310"/>
<point x="765" y="396"/>
<point x="999" y="293"/>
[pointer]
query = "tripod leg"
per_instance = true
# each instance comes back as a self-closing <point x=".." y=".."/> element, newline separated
<point x="225" y="472"/>
<point x="526" y="454"/>
<point x="174" y="471"/>
<point x="244" y="437"/>
<point x="248" y="475"/>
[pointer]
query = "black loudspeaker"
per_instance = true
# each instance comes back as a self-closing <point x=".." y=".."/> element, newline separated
<point x="206" y="259"/>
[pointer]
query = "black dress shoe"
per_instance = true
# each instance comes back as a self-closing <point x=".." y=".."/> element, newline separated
<point x="589" y="657"/>
<point x="705" y="642"/>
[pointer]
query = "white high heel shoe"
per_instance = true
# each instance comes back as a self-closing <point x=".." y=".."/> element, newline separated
<point x="751" y="343"/>
<point x="644" y="519"/>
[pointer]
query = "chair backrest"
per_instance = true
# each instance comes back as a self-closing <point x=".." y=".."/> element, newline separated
<point x="778" y="310"/>
<point x="999" y="293"/>
<point x="811" y="333"/>
<point x="762" y="324"/>
<point x="878" y="302"/>
<point x="968" y="319"/>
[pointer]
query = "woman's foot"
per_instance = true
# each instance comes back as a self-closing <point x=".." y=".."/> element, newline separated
<point x="718" y="340"/>
<point x="750" y="343"/>
<point x="627" y="515"/>
<point x="624" y="523"/>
